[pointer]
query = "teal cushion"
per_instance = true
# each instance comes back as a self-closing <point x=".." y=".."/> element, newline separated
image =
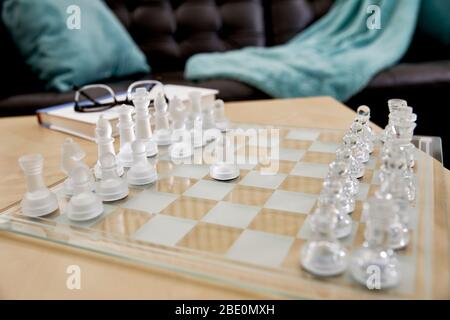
<point x="63" y="56"/>
<point x="434" y="19"/>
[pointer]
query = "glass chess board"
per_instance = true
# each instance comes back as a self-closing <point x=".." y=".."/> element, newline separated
<point x="246" y="232"/>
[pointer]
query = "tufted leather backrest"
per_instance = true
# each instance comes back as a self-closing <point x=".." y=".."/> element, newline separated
<point x="170" y="31"/>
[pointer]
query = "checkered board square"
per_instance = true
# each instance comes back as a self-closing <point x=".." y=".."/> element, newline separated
<point x="254" y="225"/>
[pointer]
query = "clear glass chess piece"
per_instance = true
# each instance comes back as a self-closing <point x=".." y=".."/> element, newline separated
<point x="340" y="170"/>
<point x="333" y="194"/>
<point x="38" y="200"/>
<point x="111" y="187"/>
<point x="368" y="135"/>
<point x="141" y="100"/>
<point x="126" y="134"/>
<point x="84" y="204"/>
<point x="363" y="147"/>
<point x="375" y="264"/>
<point x="323" y="255"/>
<point x="394" y="105"/>
<point x="163" y="133"/>
<point x="395" y="188"/>
<point x="356" y="168"/>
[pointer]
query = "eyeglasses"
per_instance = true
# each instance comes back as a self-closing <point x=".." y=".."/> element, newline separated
<point x="100" y="97"/>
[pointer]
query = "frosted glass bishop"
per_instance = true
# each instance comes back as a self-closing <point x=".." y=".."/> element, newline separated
<point x="141" y="100"/>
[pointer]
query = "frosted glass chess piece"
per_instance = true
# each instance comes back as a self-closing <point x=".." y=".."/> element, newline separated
<point x="394" y="105"/>
<point x="163" y="134"/>
<point x="333" y="194"/>
<point x="105" y="144"/>
<point x="142" y="172"/>
<point x="84" y="204"/>
<point x="71" y="156"/>
<point x="223" y="169"/>
<point x="38" y="200"/>
<point x="127" y="136"/>
<point x="181" y="137"/>
<point x="196" y="120"/>
<point x="340" y="170"/>
<point x="363" y="117"/>
<point x="323" y="255"/>
<point x="111" y="187"/>
<point x="178" y="114"/>
<point x="222" y="123"/>
<point x="375" y="255"/>
<point x="141" y="100"/>
<point x="356" y="168"/>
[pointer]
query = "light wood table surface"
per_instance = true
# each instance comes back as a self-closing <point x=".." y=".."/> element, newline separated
<point x="33" y="269"/>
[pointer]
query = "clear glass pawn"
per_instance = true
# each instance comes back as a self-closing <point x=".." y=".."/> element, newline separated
<point x="323" y="255"/>
<point x="376" y="256"/>
<point x="340" y="170"/>
<point x="363" y="117"/>
<point x="333" y="195"/>
<point x="356" y="168"/>
<point x="357" y="131"/>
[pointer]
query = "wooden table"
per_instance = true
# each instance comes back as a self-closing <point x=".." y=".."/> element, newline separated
<point x="37" y="269"/>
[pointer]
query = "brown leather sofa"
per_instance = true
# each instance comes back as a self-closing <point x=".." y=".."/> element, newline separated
<point x="170" y="31"/>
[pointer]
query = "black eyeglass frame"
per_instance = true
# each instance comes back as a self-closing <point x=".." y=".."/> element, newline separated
<point x="99" y="106"/>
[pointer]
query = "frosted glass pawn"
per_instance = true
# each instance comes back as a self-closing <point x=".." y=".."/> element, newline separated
<point x="111" y="187"/>
<point x="333" y="194"/>
<point x="127" y="136"/>
<point x="105" y="144"/>
<point x="196" y="120"/>
<point x="141" y="100"/>
<point x="163" y="133"/>
<point x="223" y="168"/>
<point x="222" y="123"/>
<point x="356" y="168"/>
<point x="84" y="204"/>
<point x="363" y="117"/>
<point x="142" y="172"/>
<point x="71" y="156"/>
<point x="38" y="200"/>
<point x="375" y="255"/>
<point x="323" y="255"/>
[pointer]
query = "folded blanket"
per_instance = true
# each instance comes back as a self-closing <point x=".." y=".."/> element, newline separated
<point x="336" y="56"/>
